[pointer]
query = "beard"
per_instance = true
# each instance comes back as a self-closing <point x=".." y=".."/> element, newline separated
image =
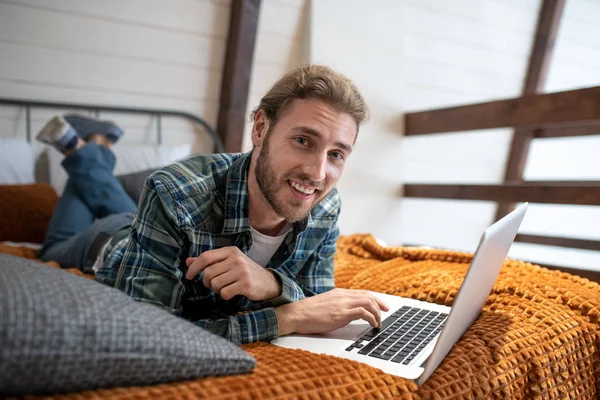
<point x="268" y="182"/>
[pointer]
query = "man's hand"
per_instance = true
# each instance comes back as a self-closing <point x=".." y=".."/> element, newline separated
<point x="329" y="311"/>
<point x="230" y="272"/>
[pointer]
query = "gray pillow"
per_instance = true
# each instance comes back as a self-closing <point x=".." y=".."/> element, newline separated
<point x="134" y="183"/>
<point x="62" y="333"/>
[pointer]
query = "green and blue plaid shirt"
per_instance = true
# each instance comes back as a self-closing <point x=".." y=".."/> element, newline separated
<point x="201" y="204"/>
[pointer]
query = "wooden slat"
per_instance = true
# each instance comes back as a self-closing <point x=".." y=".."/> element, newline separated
<point x="554" y="183"/>
<point x="529" y="112"/>
<point x="568" y="131"/>
<point x="535" y="78"/>
<point x="243" y="25"/>
<point x="587" y="194"/>
<point x="584" y="244"/>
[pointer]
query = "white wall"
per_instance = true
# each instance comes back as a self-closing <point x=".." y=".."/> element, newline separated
<point x="411" y="55"/>
<point x="414" y="55"/>
<point x="144" y="53"/>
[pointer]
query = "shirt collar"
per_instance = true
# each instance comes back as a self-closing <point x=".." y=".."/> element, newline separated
<point x="236" y="196"/>
<point x="236" y="200"/>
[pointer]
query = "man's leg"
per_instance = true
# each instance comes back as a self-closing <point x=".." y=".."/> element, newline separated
<point x="81" y="249"/>
<point x="70" y="217"/>
<point x="90" y="170"/>
<point x="73" y="238"/>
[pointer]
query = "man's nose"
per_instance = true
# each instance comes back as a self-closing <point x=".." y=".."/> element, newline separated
<point x="316" y="166"/>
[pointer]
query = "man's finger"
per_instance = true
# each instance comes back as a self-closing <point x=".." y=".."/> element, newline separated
<point x="212" y="271"/>
<point x="382" y="305"/>
<point x="221" y="281"/>
<point x="364" y="314"/>
<point x="207" y="258"/>
<point x="230" y="291"/>
<point x="369" y="303"/>
<point x="373" y="307"/>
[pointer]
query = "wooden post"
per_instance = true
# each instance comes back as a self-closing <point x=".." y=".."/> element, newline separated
<point x="243" y="25"/>
<point x="537" y="70"/>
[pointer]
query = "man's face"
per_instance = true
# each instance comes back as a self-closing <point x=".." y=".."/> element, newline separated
<point x="302" y="156"/>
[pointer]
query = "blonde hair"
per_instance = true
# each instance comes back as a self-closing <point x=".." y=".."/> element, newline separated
<point x="314" y="82"/>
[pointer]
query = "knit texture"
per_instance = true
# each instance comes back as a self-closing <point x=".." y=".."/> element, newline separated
<point x="538" y="337"/>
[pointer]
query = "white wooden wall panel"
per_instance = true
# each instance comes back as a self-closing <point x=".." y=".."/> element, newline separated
<point x="200" y="17"/>
<point x="56" y="30"/>
<point x="137" y="53"/>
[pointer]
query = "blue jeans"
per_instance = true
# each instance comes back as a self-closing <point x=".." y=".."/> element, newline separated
<point x="93" y="206"/>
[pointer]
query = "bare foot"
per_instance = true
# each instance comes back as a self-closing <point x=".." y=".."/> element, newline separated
<point x="100" y="139"/>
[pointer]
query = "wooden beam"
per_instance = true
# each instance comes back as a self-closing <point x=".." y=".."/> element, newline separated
<point x="584" y="244"/>
<point x="529" y="112"/>
<point x="517" y="157"/>
<point x="535" y="78"/>
<point x="554" y="183"/>
<point x="586" y="194"/>
<point x="543" y="45"/>
<point x="243" y="24"/>
<point x="515" y="167"/>
<point x="568" y="131"/>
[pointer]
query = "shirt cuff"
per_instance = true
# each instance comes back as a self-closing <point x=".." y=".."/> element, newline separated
<point x="255" y="326"/>
<point x="290" y="292"/>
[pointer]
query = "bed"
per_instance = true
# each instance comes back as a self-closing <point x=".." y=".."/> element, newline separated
<point x="538" y="335"/>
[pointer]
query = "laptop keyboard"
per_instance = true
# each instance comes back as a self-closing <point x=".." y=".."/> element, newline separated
<point x="402" y="335"/>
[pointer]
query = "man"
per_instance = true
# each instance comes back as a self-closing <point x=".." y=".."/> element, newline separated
<point x="243" y="244"/>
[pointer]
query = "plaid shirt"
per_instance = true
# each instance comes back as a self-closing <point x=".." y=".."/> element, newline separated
<point x="201" y="204"/>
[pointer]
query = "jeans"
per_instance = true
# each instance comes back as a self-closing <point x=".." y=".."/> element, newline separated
<point x="93" y="206"/>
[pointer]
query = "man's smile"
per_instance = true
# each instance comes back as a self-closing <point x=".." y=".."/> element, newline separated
<point x="304" y="192"/>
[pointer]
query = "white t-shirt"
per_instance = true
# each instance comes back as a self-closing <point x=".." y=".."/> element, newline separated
<point x="263" y="246"/>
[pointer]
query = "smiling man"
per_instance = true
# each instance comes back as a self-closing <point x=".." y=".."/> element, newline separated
<point x="243" y="244"/>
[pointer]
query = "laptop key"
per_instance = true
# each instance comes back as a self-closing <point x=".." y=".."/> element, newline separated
<point x="398" y="359"/>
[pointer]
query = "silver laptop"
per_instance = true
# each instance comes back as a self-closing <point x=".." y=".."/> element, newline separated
<point x="416" y="336"/>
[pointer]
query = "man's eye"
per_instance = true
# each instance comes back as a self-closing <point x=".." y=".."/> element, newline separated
<point x="337" y="155"/>
<point x="301" y="140"/>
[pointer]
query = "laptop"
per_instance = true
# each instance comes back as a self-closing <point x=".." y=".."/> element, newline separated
<point x="416" y="336"/>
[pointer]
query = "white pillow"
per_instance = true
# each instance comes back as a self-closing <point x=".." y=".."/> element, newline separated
<point x="130" y="158"/>
<point x="17" y="163"/>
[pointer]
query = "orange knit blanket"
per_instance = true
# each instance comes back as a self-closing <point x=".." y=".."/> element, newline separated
<point x="537" y="337"/>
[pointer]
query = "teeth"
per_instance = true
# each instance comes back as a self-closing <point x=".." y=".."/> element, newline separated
<point x="301" y="188"/>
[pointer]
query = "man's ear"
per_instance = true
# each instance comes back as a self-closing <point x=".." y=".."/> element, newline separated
<point x="260" y="128"/>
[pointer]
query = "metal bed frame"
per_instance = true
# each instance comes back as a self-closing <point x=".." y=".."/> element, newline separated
<point x="96" y="108"/>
